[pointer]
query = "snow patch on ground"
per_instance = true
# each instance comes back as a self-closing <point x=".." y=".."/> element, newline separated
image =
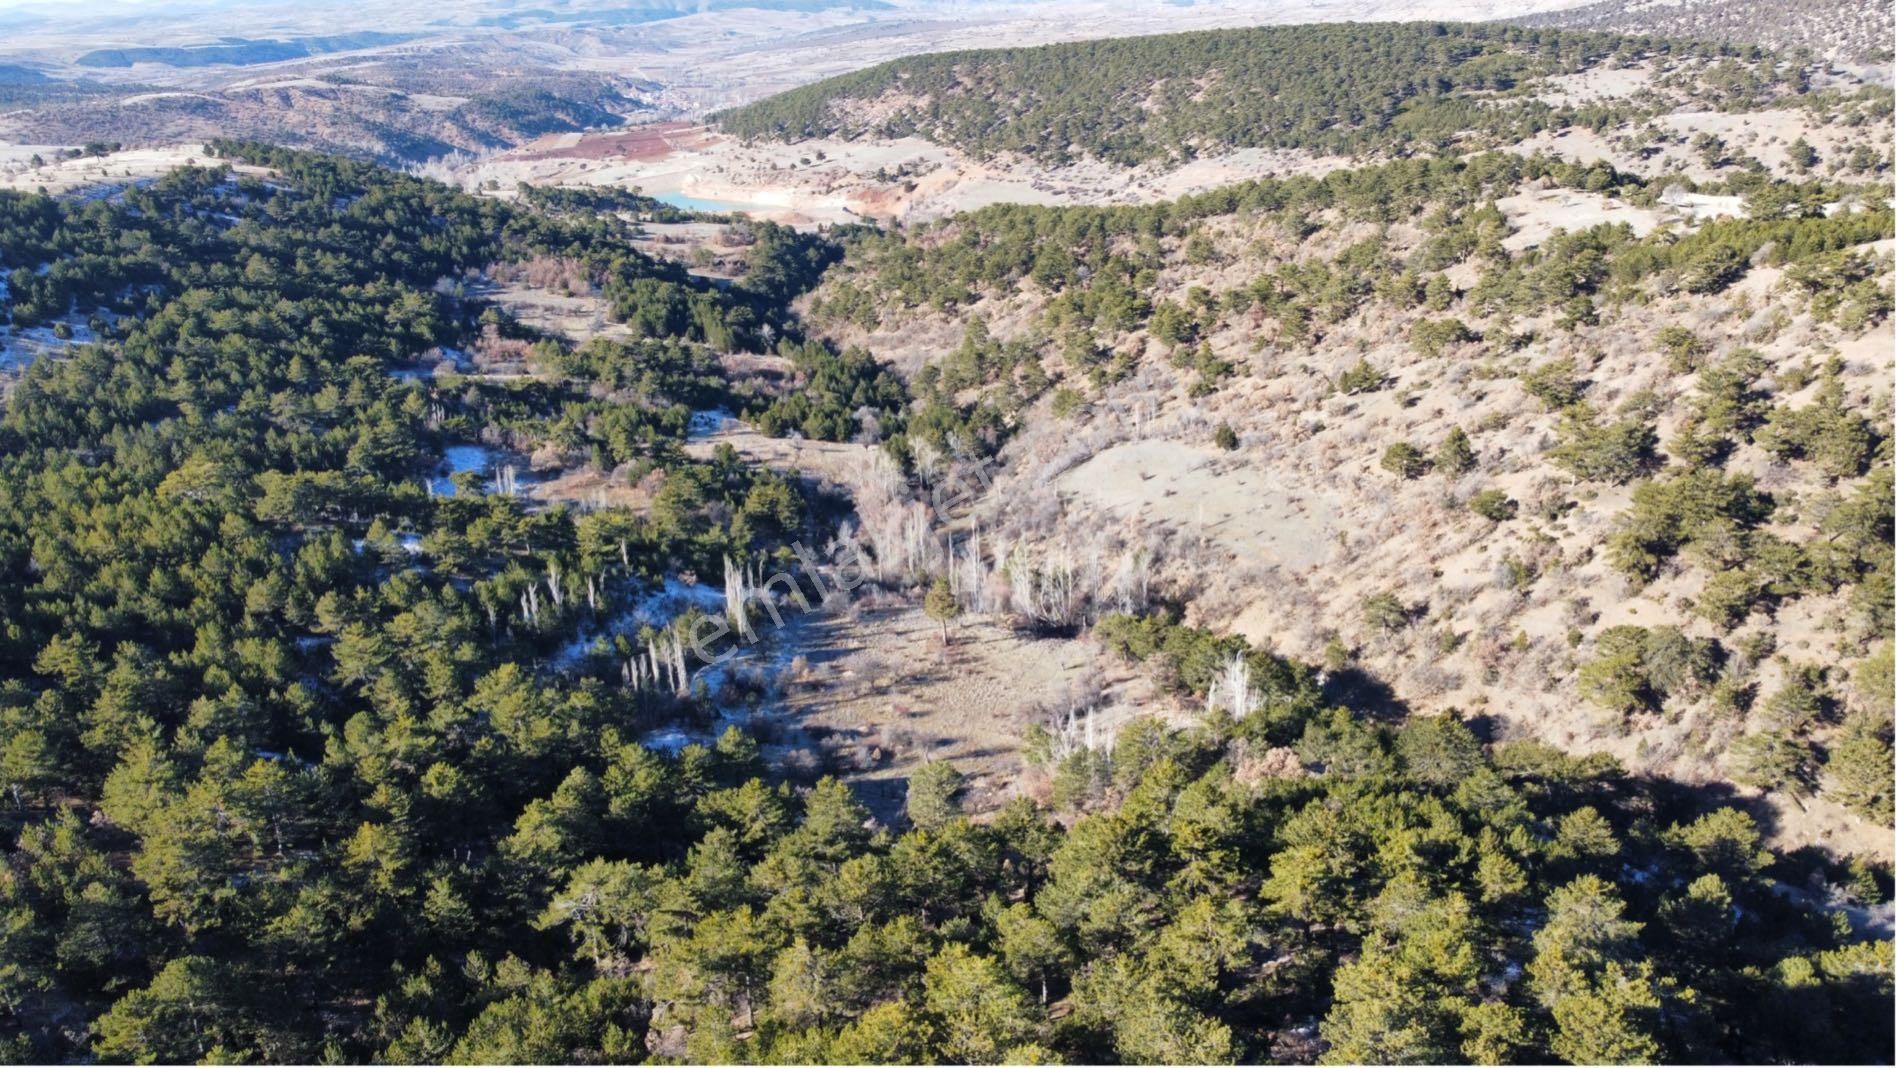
<point x="673" y="740"/>
<point x="19" y="348"/>
<point x="706" y="423"/>
<point x="458" y="458"/>
<point x="671" y="600"/>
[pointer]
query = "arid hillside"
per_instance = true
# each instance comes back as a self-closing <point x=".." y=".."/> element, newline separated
<point x="1857" y="31"/>
<point x="1583" y="456"/>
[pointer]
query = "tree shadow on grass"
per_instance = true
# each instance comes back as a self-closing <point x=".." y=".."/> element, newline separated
<point x="1364" y="694"/>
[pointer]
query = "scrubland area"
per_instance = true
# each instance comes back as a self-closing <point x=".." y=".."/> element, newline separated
<point x="1378" y="551"/>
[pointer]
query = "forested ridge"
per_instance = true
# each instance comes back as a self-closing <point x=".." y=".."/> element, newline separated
<point x="251" y="660"/>
<point x="289" y="771"/>
<point x="1393" y="88"/>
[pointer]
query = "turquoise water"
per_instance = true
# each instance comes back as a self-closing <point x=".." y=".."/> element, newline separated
<point x="691" y="203"/>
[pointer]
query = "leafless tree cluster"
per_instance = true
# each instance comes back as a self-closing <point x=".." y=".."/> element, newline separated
<point x="661" y="668"/>
<point x="1231" y="689"/>
<point x="1028" y="561"/>
<point x="556" y="274"/>
<point x="495" y="354"/>
<point x="1071" y="729"/>
<point x="895" y="526"/>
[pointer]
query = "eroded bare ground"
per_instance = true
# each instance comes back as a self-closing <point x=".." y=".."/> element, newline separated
<point x="829" y="180"/>
<point x="103" y="174"/>
<point x="1247" y="510"/>
<point x="878" y="690"/>
<point x="586" y="487"/>
<point x="831" y="461"/>
<point x="573" y="318"/>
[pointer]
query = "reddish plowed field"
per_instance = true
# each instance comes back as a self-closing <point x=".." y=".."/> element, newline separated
<point x="645" y="143"/>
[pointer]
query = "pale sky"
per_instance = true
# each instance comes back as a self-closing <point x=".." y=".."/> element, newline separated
<point x="101" y="7"/>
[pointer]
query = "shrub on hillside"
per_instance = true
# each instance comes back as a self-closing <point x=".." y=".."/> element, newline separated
<point x="1404" y="460"/>
<point x="1494" y="505"/>
<point x="1596" y="451"/>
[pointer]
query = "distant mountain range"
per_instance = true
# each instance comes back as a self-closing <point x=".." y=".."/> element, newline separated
<point x="237" y="51"/>
<point x="658" y="12"/>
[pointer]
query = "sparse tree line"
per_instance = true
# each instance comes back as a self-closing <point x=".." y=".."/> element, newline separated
<point x="1099" y="264"/>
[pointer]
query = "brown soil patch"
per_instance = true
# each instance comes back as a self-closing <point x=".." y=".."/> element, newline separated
<point x="574" y="318"/>
<point x="643" y="143"/>
<point x="830" y="460"/>
<point x="1244" y="508"/>
<point x="585" y="487"/>
<point x="887" y="695"/>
